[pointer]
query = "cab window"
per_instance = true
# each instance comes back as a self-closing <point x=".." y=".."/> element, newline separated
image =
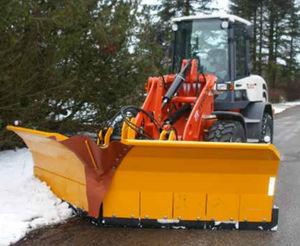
<point x="240" y="51"/>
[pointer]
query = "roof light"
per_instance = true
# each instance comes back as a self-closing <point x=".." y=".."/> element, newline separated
<point x="225" y="25"/>
<point x="174" y="27"/>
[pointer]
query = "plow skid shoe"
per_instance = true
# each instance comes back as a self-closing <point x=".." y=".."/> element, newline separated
<point x="152" y="183"/>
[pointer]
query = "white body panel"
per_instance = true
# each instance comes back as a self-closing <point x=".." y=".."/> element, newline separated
<point x="255" y="86"/>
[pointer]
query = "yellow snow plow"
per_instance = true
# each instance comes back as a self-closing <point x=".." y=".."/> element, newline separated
<point x="198" y="153"/>
<point x="160" y="183"/>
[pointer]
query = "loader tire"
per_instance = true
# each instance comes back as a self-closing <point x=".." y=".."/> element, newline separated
<point x="267" y="129"/>
<point x="226" y="131"/>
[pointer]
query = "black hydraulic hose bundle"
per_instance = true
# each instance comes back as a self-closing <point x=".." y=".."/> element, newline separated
<point x="139" y="130"/>
<point x="173" y="118"/>
<point x="124" y="115"/>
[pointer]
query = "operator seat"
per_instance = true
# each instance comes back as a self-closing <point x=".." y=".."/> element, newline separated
<point x="217" y="63"/>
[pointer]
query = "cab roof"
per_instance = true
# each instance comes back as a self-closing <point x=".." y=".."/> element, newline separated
<point x="231" y="18"/>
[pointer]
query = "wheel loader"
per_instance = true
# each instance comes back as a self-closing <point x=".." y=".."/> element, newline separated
<point x="197" y="154"/>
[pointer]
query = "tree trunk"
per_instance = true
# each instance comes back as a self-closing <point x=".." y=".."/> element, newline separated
<point x="254" y="40"/>
<point x="271" y="45"/>
<point x="186" y="8"/>
<point x="275" y="56"/>
<point x="260" y="37"/>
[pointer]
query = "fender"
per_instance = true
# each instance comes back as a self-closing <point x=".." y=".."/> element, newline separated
<point x="255" y="112"/>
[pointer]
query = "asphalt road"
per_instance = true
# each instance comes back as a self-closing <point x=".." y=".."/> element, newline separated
<point x="287" y="138"/>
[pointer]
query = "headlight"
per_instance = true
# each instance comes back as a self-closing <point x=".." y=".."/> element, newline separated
<point x="222" y="87"/>
<point x="225" y="86"/>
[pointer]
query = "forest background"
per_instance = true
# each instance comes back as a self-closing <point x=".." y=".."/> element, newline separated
<point x="69" y="65"/>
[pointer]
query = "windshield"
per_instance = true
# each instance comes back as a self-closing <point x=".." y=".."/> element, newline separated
<point x="205" y="40"/>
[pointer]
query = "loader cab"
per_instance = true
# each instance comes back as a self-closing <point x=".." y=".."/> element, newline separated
<point x="220" y="43"/>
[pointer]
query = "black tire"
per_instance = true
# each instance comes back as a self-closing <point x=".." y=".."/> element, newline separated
<point x="226" y="131"/>
<point x="267" y="128"/>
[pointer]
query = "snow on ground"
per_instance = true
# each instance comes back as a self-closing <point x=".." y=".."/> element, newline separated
<point x="280" y="107"/>
<point x="25" y="202"/>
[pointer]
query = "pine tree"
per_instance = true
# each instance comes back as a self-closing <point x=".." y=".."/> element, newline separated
<point x="291" y="48"/>
<point x="249" y="11"/>
<point x="274" y="33"/>
<point x="65" y="65"/>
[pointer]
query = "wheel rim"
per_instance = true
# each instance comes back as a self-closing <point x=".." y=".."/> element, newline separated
<point x="267" y="131"/>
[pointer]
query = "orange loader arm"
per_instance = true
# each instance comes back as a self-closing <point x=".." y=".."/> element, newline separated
<point x="196" y="91"/>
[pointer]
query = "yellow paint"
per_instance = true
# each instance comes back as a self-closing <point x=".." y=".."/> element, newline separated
<point x="108" y="135"/>
<point x="55" y="164"/>
<point x="122" y="204"/>
<point x="163" y="135"/>
<point x="221" y="175"/>
<point x="255" y="208"/>
<point x="131" y="133"/>
<point x="124" y="132"/>
<point x="222" y="207"/>
<point x="168" y="179"/>
<point x="127" y="131"/>
<point x="59" y="137"/>
<point x="156" y="205"/>
<point x="172" y="135"/>
<point x="100" y="138"/>
<point x="189" y="206"/>
<point x="64" y="188"/>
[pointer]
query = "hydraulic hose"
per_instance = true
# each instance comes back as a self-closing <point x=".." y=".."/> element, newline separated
<point x="172" y="119"/>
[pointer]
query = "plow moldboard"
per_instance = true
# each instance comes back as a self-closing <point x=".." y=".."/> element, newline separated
<point x="163" y="180"/>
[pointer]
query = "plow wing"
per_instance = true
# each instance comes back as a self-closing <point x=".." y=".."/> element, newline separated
<point x="155" y="182"/>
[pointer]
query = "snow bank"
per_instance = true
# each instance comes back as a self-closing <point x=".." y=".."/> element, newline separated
<point x="25" y="202"/>
<point x="280" y="107"/>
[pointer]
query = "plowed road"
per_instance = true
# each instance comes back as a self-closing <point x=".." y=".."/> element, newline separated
<point x="287" y="139"/>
